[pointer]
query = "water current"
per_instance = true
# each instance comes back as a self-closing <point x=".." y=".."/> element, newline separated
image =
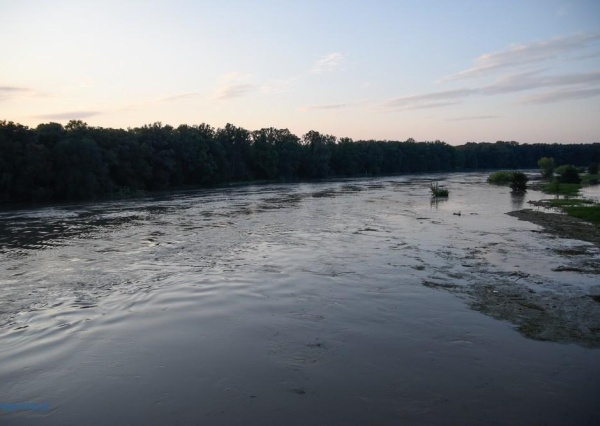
<point x="339" y="302"/>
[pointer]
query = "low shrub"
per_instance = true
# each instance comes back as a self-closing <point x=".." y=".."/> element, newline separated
<point x="500" y="178"/>
<point x="438" y="191"/>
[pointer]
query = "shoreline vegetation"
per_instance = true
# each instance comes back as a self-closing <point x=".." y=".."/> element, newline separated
<point x="545" y="315"/>
<point x="56" y="163"/>
<point x="568" y="217"/>
<point x="561" y="225"/>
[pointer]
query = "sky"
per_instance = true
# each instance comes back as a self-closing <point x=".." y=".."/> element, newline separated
<point x="456" y="71"/>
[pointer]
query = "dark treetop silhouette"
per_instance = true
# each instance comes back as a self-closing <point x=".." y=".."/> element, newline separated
<point x="54" y="162"/>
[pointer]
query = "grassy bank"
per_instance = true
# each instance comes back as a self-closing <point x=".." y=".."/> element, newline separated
<point x="557" y="188"/>
<point x="579" y="208"/>
<point x="589" y="213"/>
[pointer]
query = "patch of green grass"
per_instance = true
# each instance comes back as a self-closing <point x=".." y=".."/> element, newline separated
<point x="500" y="178"/>
<point x="438" y="191"/>
<point x="589" y="213"/>
<point x="590" y="179"/>
<point x="558" y="188"/>
<point x="580" y="208"/>
<point x="570" y="202"/>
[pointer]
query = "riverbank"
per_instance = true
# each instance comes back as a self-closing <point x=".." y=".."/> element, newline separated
<point x="530" y="299"/>
<point x="546" y="315"/>
<point x="561" y="225"/>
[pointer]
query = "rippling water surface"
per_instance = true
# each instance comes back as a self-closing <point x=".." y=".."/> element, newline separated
<point x="284" y="304"/>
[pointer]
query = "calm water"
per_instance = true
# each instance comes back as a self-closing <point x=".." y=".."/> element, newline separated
<point x="283" y="304"/>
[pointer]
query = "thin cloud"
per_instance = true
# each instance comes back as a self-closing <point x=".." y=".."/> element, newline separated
<point x="475" y="117"/>
<point x="429" y="100"/>
<point x="561" y="95"/>
<point x="568" y="86"/>
<point x="327" y="63"/>
<point x="71" y="115"/>
<point x="324" y="107"/>
<point x="235" y="91"/>
<point x="278" y="86"/>
<point x="181" y="97"/>
<point x="563" y="10"/>
<point x="534" y="80"/>
<point x="584" y="56"/>
<point x="341" y="105"/>
<point x="7" y="92"/>
<point x="525" y="54"/>
<point x="234" y="85"/>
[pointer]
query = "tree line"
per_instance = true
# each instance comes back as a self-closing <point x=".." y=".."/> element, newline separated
<point x="52" y="162"/>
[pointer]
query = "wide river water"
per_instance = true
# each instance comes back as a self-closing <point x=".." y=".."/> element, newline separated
<point x="311" y="303"/>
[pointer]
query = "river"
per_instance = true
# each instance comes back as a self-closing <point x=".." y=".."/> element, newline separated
<point x="358" y="301"/>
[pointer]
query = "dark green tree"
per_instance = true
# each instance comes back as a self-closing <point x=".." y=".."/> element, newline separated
<point x="518" y="182"/>
<point x="265" y="161"/>
<point x="237" y="144"/>
<point x="317" y="154"/>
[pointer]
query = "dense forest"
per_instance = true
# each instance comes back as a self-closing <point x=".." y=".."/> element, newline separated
<point x="54" y="162"/>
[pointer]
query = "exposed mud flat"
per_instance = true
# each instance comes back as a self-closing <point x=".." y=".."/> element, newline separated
<point x="561" y="225"/>
<point x="544" y="316"/>
<point x="568" y="316"/>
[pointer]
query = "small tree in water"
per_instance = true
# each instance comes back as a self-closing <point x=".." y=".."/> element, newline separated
<point x="438" y="191"/>
<point x="518" y="182"/>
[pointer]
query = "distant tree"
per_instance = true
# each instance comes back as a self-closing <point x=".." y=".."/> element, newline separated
<point x="345" y="158"/>
<point x="568" y="174"/>
<point x="76" y="126"/>
<point x="157" y="146"/>
<point x="546" y="165"/>
<point x="593" y="169"/>
<point x="317" y="154"/>
<point x="237" y="144"/>
<point x="54" y="162"/>
<point x="49" y="134"/>
<point x="264" y="154"/>
<point x="80" y="171"/>
<point x="289" y="154"/>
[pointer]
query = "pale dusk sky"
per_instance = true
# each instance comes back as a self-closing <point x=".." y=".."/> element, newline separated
<point x="457" y="71"/>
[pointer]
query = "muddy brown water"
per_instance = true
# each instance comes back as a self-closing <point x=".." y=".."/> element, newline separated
<point x="343" y="302"/>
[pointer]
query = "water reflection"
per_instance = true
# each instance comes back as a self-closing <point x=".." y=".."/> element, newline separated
<point x="436" y="202"/>
<point x="517" y="199"/>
